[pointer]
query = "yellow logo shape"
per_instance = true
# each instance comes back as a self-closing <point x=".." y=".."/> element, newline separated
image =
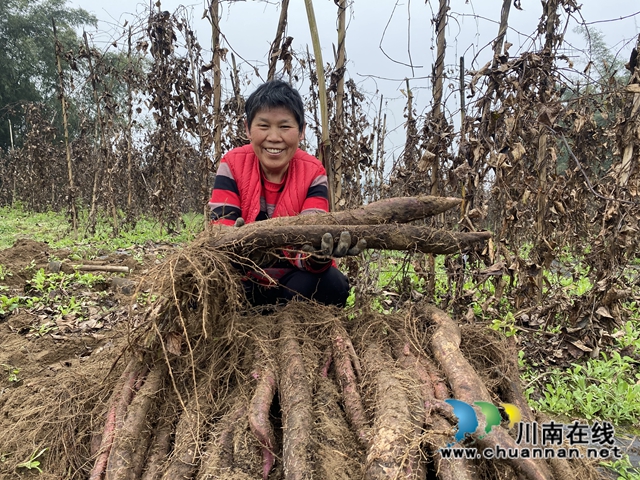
<point x="513" y="412"/>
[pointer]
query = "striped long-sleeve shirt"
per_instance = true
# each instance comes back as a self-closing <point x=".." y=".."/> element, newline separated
<point x="240" y="190"/>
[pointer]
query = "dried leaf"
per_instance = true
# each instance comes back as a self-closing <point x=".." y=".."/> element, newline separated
<point x="579" y="344"/>
<point x="604" y="312"/>
<point x="174" y="343"/>
<point x="518" y="151"/>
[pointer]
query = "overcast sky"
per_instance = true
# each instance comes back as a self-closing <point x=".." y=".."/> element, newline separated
<point x="249" y="28"/>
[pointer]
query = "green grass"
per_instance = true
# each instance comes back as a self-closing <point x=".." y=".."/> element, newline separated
<point x="604" y="388"/>
<point x="53" y="228"/>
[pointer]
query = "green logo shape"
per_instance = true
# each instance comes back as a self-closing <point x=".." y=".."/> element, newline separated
<point x="491" y="415"/>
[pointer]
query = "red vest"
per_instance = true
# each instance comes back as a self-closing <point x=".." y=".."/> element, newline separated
<point x="245" y="168"/>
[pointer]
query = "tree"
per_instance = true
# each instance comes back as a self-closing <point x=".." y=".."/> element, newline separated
<point x="602" y="64"/>
<point x="27" y="56"/>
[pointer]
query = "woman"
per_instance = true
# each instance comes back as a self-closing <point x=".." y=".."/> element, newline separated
<point x="271" y="177"/>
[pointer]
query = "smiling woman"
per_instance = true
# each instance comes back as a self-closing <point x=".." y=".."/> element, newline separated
<point x="274" y="135"/>
<point x="271" y="178"/>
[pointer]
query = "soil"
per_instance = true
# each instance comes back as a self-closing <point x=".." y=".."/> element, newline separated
<point x="48" y="359"/>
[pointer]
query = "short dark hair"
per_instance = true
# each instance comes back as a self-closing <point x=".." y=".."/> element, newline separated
<point x="275" y="94"/>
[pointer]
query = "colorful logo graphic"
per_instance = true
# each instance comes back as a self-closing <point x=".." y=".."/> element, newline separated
<point x="468" y="419"/>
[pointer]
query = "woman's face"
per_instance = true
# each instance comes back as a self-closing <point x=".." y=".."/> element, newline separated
<point x="275" y="136"/>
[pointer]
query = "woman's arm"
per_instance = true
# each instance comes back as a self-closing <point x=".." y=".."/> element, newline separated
<point x="225" y="199"/>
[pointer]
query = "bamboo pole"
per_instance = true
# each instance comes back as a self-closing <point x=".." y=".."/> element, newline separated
<point x="274" y="51"/>
<point x="463" y="192"/>
<point x="91" y="220"/>
<point x="322" y="96"/>
<point x="542" y="169"/>
<point x="11" y="134"/>
<point x="339" y="123"/>
<point x="204" y="161"/>
<point x="376" y="175"/>
<point x="409" y="154"/>
<point x="65" y="122"/>
<point x="235" y="82"/>
<point x="441" y="25"/>
<point x="438" y="74"/>
<point x="497" y="47"/>
<point x="214" y="18"/>
<point x="129" y="136"/>
<point x="627" y="155"/>
<point x="502" y="31"/>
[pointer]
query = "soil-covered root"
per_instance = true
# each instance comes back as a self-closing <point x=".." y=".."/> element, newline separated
<point x="120" y="399"/>
<point x="259" y="409"/>
<point x="185" y="457"/>
<point x="437" y="430"/>
<point x="132" y="440"/>
<point x="393" y="432"/>
<point x="348" y="369"/>
<point x="296" y="399"/>
<point x="337" y="451"/>
<point x="218" y="460"/>
<point x="160" y="445"/>
<point x="468" y="387"/>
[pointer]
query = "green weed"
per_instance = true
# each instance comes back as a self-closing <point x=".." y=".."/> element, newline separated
<point x="623" y="468"/>
<point x="506" y="325"/>
<point x="8" y="304"/>
<point x="12" y="372"/>
<point x="72" y="307"/>
<point x="44" y="328"/>
<point x="606" y="388"/>
<point x="144" y="299"/>
<point x="4" y="273"/>
<point x="32" y="462"/>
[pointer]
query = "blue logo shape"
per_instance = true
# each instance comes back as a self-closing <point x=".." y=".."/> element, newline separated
<point x="467" y="419"/>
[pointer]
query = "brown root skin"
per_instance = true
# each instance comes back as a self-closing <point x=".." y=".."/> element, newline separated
<point x="128" y="450"/>
<point x="159" y="450"/>
<point x="392" y="425"/>
<point x="440" y="389"/>
<point x="468" y="387"/>
<point x="259" y="416"/>
<point x="121" y="397"/>
<point x="348" y="384"/>
<point x="296" y="402"/>
<point x="390" y="210"/>
<point x="243" y="241"/>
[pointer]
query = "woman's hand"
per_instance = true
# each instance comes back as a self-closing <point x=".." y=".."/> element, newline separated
<point x="327" y="251"/>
